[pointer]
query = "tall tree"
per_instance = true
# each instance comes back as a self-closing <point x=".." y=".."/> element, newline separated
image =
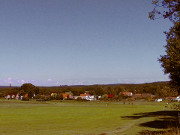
<point x="171" y="60"/>
<point x="30" y="89"/>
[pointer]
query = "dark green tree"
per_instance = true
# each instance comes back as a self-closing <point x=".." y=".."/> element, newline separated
<point x="29" y="89"/>
<point x="59" y="97"/>
<point x="99" y="91"/>
<point x="171" y="60"/>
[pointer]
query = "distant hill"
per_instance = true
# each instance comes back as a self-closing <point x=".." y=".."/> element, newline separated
<point x="4" y="86"/>
<point x="8" y="86"/>
<point x="108" y="85"/>
<point x="118" y="84"/>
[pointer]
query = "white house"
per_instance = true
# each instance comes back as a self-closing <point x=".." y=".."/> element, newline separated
<point x="177" y="98"/>
<point x="159" y="100"/>
<point x="86" y="96"/>
<point x="91" y="97"/>
<point x="12" y="96"/>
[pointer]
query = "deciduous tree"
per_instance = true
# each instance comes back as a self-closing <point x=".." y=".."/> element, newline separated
<point x="30" y="89"/>
<point x="171" y="60"/>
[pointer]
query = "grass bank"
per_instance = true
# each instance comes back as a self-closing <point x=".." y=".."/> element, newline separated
<point x="71" y="117"/>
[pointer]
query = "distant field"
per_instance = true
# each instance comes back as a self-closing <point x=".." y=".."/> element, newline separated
<point x="72" y="118"/>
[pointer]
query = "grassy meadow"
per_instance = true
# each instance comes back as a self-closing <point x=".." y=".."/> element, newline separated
<point x="72" y="117"/>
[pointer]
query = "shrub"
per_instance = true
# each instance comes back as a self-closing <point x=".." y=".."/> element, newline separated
<point x="25" y="99"/>
<point x="175" y="106"/>
<point x="37" y="96"/>
<point x="104" y="97"/>
<point x="59" y="97"/>
<point x="80" y="99"/>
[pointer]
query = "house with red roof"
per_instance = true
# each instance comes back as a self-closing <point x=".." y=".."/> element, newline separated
<point x="67" y="95"/>
<point x="86" y="96"/>
<point x="129" y="94"/>
<point x="110" y="95"/>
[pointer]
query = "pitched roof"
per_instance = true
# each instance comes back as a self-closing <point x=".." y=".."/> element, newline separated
<point x="83" y="94"/>
<point x="127" y="93"/>
<point x="110" y="95"/>
<point x="65" y="95"/>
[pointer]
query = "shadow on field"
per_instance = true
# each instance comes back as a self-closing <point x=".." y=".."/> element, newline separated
<point x="163" y="120"/>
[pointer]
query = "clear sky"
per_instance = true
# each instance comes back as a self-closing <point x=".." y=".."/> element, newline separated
<point x="72" y="42"/>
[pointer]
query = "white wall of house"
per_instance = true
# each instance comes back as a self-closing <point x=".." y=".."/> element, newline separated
<point x="159" y="100"/>
<point x="177" y="98"/>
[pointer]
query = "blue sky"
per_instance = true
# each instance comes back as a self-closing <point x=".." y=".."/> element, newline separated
<point x="72" y="42"/>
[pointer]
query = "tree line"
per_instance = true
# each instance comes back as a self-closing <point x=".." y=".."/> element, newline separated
<point x="159" y="89"/>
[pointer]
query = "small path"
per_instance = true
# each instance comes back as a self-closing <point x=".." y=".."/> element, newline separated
<point x="124" y="128"/>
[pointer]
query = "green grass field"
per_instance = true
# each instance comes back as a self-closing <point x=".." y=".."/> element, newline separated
<point x="71" y="117"/>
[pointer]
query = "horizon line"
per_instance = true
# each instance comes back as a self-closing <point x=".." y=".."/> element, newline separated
<point x="83" y="84"/>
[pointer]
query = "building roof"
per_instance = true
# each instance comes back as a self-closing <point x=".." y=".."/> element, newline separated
<point x="110" y="95"/>
<point x="127" y="93"/>
<point x="83" y="94"/>
<point x="65" y="95"/>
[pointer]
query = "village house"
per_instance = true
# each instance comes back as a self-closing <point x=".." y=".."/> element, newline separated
<point x="53" y="94"/>
<point x="178" y="98"/>
<point x="158" y="100"/>
<point x="147" y="95"/>
<point x="142" y="96"/>
<point x="12" y="96"/>
<point x="110" y="95"/>
<point x="171" y="98"/>
<point x="86" y="96"/>
<point x="137" y="96"/>
<point x="128" y="94"/>
<point x="67" y="95"/>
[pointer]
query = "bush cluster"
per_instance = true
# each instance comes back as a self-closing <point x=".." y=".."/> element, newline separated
<point x="25" y="99"/>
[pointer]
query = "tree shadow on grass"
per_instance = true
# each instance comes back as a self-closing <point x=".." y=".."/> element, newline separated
<point x="163" y="120"/>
